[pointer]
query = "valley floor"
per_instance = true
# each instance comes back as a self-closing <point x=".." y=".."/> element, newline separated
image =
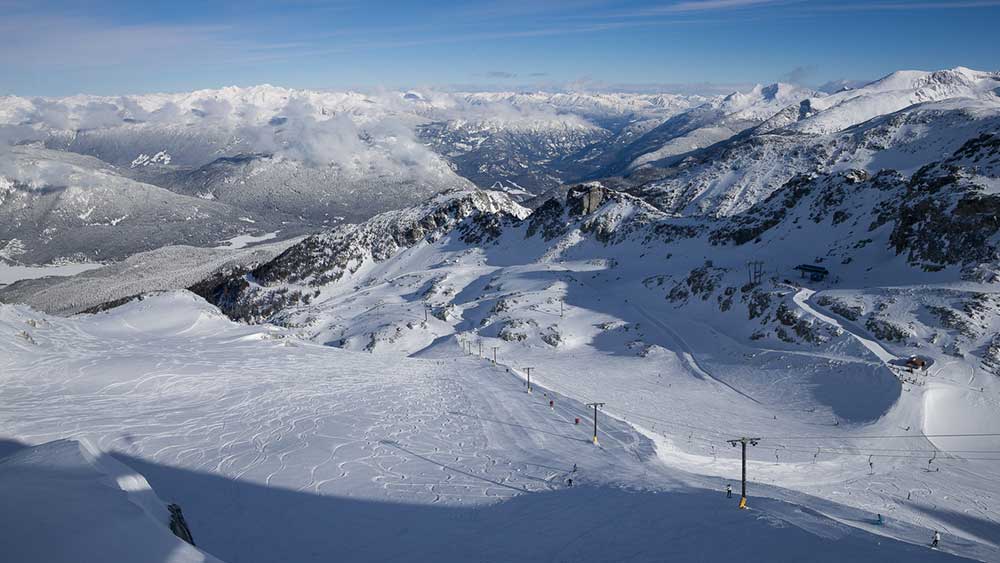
<point x="278" y="449"/>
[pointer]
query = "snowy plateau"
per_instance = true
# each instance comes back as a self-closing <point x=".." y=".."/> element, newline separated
<point x="262" y="324"/>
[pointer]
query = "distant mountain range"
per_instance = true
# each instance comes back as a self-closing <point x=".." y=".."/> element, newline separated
<point x="101" y="178"/>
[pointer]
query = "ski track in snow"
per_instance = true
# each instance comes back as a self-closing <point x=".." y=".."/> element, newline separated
<point x="251" y="405"/>
<point x="402" y="427"/>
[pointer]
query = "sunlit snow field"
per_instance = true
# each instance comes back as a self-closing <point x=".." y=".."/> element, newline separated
<point x="279" y="449"/>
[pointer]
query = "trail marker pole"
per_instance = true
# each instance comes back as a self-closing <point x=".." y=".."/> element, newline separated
<point x="744" y="441"/>
<point x="528" y="370"/>
<point x="426" y="307"/>
<point x="596" y="406"/>
<point x="495" y="348"/>
<point x="480" y="348"/>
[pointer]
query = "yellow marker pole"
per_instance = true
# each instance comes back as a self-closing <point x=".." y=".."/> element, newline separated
<point x="595" y="405"/>
<point x="743" y="442"/>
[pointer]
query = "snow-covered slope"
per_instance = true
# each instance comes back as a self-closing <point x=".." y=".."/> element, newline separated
<point x="478" y="215"/>
<point x="66" y="501"/>
<point x="168" y="267"/>
<point x="890" y="123"/>
<point x="896" y="91"/>
<point x="264" y="185"/>
<point x="357" y="414"/>
<point x="609" y="298"/>
<point x="281" y="450"/>
<point x="59" y="205"/>
<point x="710" y="123"/>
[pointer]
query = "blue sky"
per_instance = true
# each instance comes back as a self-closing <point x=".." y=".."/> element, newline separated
<point x="117" y="47"/>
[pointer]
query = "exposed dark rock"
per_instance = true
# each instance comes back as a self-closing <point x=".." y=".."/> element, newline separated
<point x="178" y="525"/>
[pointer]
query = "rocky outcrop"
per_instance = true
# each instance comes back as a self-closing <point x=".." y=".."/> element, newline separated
<point x="584" y="200"/>
<point x="178" y="525"/>
<point x="293" y="277"/>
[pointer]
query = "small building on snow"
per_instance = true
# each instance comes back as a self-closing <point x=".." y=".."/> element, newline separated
<point x="816" y="273"/>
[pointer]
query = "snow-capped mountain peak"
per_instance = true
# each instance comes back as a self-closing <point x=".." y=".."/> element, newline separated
<point x="895" y="92"/>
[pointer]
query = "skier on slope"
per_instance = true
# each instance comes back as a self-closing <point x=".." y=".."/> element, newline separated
<point x="729" y="491"/>
<point x="937" y="538"/>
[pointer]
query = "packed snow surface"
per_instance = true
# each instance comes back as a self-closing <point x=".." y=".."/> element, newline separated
<point x="279" y="449"/>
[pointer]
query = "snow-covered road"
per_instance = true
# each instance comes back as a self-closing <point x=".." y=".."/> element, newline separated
<point x="801" y="298"/>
